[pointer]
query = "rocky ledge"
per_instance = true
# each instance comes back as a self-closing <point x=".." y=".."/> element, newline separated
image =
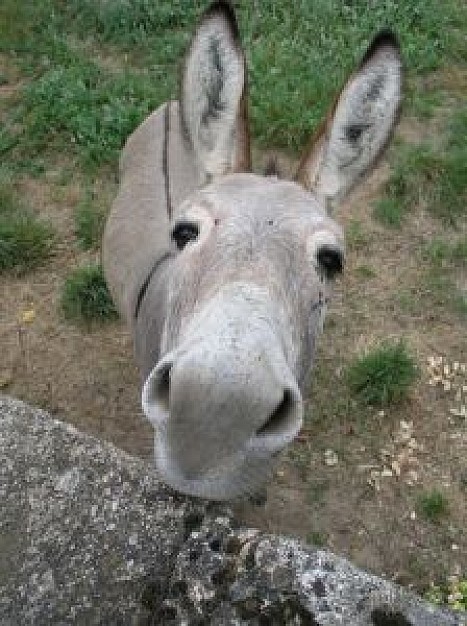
<point x="89" y="536"/>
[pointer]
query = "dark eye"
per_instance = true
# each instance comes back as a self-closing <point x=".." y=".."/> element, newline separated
<point x="331" y="260"/>
<point x="184" y="232"/>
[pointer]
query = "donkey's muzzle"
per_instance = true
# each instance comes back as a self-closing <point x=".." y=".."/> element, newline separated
<point x="223" y="402"/>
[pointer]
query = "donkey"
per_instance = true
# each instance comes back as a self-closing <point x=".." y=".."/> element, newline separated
<point x="221" y="274"/>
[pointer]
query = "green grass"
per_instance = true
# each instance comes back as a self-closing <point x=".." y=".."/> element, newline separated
<point x="85" y="296"/>
<point x="298" y="57"/>
<point x="83" y="111"/>
<point x="389" y="211"/>
<point x="442" y="253"/>
<point x="365" y="271"/>
<point x="438" y="288"/>
<point x="432" y="505"/>
<point x="383" y="376"/>
<point x="356" y="236"/>
<point x="25" y="240"/>
<point x="89" y="223"/>
<point x="422" y="103"/>
<point x="317" y="538"/>
<point x="434" y="177"/>
<point x="452" y="593"/>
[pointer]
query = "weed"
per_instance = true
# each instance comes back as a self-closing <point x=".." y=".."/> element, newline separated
<point x="432" y="505"/>
<point x="297" y="56"/>
<point x="25" y="241"/>
<point x="460" y="304"/>
<point x="357" y="238"/>
<point x="129" y="24"/>
<point x="382" y="376"/>
<point x="441" y="253"/>
<point x="452" y="593"/>
<point x="389" y="211"/>
<point x="83" y="110"/>
<point x="435" y="178"/>
<point x="439" y="289"/>
<point x="85" y="296"/>
<point x="317" y="490"/>
<point x="458" y="129"/>
<point x="422" y="103"/>
<point x="317" y="538"/>
<point x="365" y="271"/>
<point x="89" y="223"/>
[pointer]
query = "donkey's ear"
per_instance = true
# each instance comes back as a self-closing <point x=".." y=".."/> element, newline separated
<point x="359" y="125"/>
<point x="213" y="94"/>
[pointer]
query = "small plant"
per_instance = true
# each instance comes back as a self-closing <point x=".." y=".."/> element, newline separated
<point x="389" y="211"/>
<point x="85" y="296"/>
<point x="357" y="238"/>
<point x="89" y="222"/>
<point x="453" y="594"/>
<point x="434" y="178"/>
<point x="25" y="241"/>
<point x="365" y="271"/>
<point x="432" y="505"/>
<point x="317" y="490"/>
<point x="384" y="375"/>
<point x="317" y="538"/>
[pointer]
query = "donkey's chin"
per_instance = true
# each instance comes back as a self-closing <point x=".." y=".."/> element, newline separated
<point x="242" y="474"/>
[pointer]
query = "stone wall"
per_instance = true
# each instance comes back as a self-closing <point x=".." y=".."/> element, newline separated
<point x="88" y="536"/>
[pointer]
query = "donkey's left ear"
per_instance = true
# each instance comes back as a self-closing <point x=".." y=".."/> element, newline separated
<point x="360" y="124"/>
<point x="213" y="94"/>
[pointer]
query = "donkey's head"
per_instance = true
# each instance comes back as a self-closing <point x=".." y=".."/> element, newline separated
<point x="252" y="260"/>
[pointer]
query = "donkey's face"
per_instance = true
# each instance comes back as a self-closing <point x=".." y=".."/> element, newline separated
<point x="252" y="258"/>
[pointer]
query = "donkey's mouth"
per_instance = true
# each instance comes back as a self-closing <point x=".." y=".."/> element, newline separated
<point x="241" y="475"/>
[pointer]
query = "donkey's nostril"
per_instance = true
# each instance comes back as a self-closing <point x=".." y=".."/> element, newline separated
<point x="284" y="417"/>
<point x="155" y="397"/>
<point x="160" y="390"/>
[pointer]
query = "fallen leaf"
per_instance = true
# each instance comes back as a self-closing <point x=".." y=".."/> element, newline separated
<point x="28" y="316"/>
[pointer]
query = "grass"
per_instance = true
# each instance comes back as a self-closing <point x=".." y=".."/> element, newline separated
<point x="365" y="271"/>
<point x="438" y="288"/>
<point x="356" y="236"/>
<point x="453" y="593"/>
<point x="383" y="376"/>
<point x="89" y="223"/>
<point x="298" y="65"/>
<point x="432" y="505"/>
<point x="423" y="103"/>
<point x="442" y="253"/>
<point x="298" y="57"/>
<point x="82" y="110"/>
<point x="85" y="296"/>
<point x="25" y="240"/>
<point x="317" y="538"/>
<point x="389" y="211"/>
<point x="430" y="176"/>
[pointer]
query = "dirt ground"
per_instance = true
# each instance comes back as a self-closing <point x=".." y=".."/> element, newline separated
<point x="360" y="500"/>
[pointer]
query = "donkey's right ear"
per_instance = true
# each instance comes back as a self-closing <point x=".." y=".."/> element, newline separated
<point x="213" y="94"/>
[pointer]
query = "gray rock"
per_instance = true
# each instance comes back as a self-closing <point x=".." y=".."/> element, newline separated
<point x="89" y="536"/>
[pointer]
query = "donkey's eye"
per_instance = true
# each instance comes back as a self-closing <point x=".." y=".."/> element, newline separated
<point x="184" y="232"/>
